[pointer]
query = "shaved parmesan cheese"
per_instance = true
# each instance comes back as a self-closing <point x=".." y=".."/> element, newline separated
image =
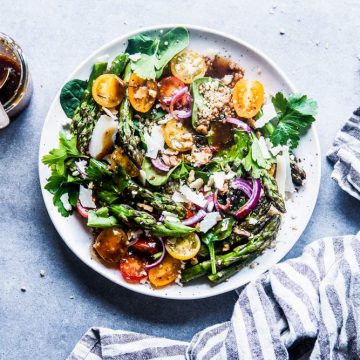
<point x="103" y="136"/>
<point x="192" y="196"/>
<point x="110" y="113"/>
<point x="289" y="186"/>
<point x="85" y="197"/>
<point x="81" y="166"/>
<point x="135" y="57"/>
<point x="169" y="216"/>
<point x="65" y="201"/>
<point x="154" y="142"/>
<point x="263" y="148"/>
<point x="142" y="177"/>
<point x="281" y="173"/>
<point x="268" y="114"/>
<point x="209" y="221"/>
<point x="230" y="175"/>
<point x="219" y="179"/>
<point x="178" y="198"/>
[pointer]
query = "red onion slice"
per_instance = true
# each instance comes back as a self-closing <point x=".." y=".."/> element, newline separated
<point x="252" y="202"/>
<point x="81" y="169"/>
<point x="209" y="203"/>
<point x="184" y="113"/>
<point x="159" y="165"/>
<point x="81" y="210"/>
<point x="159" y="260"/>
<point x="243" y="185"/>
<point x="194" y="219"/>
<point x="240" y="124"/>
<point x="220" y="207"/>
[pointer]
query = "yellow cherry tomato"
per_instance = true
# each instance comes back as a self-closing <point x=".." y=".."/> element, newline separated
<point x="142" y="93"/>
<point x="248" y="98"/>
<point x="188" y="66"/>
<point x="177" y="137"/>
<point x="183" y="248"/>
<point x="108" y="90"/>
<point x="165" y="273"/>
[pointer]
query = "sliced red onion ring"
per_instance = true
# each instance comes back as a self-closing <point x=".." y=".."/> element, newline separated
<point x="243" y="185"/>
<point x="220" y="207"/>
<point x="240" y="124"/>
<point x="159" y="165"/>
<point x="194" y="219"/>
<point x="160" y="259"/>
<point x="252" y="202"/>
<point x="81" y="210"/>
<point x="181" y="114"/>
<point x="209" y="203"/>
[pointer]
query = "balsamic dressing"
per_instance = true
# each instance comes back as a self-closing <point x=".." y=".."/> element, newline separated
<point x="11" y="85"/>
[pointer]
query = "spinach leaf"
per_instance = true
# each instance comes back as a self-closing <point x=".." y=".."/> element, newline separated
<point x="71" y="95"/>
<point x="152" y="176"/>
<point x="101" y="218"/>
<point x="157" y="51"/>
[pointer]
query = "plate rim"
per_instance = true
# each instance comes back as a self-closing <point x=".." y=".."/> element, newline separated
<point x="142" y="289"/>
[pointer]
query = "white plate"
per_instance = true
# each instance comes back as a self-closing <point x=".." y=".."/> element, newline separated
<point x="299" y="208"/>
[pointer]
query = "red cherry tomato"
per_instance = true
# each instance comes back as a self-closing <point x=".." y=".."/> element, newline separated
<point x="147" y="246"/>
<point x="132" y="269"/>
<point x="167" y="89"/>
<point x="189" y="213"/>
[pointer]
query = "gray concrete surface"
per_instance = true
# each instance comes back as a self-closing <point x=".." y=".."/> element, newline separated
<point x="318" y="51"/>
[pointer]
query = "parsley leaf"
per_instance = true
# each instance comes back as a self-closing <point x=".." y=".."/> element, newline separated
<point x="97" y="170"/>
<point x="57" y="157"/>
<point x="295" y="115"/>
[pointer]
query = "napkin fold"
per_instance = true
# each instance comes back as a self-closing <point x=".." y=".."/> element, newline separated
<point x="345" y="154"/>
<point x="306" y="307"/>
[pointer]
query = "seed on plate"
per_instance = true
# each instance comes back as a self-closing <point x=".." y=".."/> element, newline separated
<point x="42" y="273"/>
<point x="23" y="289"/>
<point x="282" y="31"/>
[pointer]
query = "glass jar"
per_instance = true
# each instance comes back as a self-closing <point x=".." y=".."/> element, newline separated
<point x="20" y="90"/>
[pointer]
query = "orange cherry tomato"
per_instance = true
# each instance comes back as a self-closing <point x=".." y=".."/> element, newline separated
<point x="177" y="137"/>
<point x="132" y="269"/>
<point x="111" y="244"/>
<point x="166" y="272"/>
<point x="248" y="97"/>
<point x="187" y="66"/>
<point x="142" y="93"/>
<point x="108" y="90"/>
<point x="168" y="88"/>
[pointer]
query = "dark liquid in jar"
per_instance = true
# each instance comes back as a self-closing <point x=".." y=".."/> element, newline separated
<point x="12" y="83"/>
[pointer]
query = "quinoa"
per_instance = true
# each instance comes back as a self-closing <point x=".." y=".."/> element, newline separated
<point x="217" y="105"/>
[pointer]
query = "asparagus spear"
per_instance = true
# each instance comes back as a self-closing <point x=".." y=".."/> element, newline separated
<point x="128" y="140"/>
<point x="118" y="64"/>
<point x="86" y="115"/>
<point x="130" y="216"/>
<point x="161" y="202"/>
<point x="272" y="193"/>
<point x="256" y="244"/>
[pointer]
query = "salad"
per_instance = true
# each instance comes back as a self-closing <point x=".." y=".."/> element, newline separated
<point x="177" y="162"/>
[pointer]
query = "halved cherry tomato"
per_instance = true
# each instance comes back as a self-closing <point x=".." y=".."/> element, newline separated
<point x="168" y="88"/>
<point x="183" y="248"/>
<point x="177" y="137"/>
<point x="142" y="93"/>
<point x="111" y="244"/>
<point x="108" y="90"/>
<point x="188" y="66"/>
<point x="166" y="272"/>
<point x="118" y="157"/>
<point x="132" y="269"/>
<point x="147" y="246"/>
<point x="248" y="98"/>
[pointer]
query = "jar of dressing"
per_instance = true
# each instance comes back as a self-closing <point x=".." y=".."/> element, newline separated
<point x="16" y="91"/>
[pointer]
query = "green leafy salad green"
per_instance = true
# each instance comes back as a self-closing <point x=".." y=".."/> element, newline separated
<point x="178" y="163"/>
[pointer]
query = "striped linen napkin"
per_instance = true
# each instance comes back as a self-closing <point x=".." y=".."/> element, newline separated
<point x="345" y="153"/>
<point x="308" y="307"/>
